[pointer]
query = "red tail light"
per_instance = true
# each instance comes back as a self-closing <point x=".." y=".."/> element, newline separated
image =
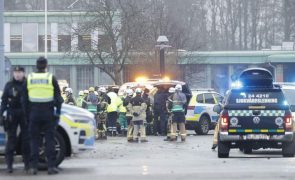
<point x="288" y="122"/>
<point x="190" y="107"/>
<point x="224" y="122"/>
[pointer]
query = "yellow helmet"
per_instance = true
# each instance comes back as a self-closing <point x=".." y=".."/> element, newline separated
<point x="91" y="89"/>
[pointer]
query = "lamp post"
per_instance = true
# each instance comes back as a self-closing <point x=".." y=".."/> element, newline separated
<point x="2" y="59"/>
<point x="162" y="44"/>
<point x="45" y="33"/>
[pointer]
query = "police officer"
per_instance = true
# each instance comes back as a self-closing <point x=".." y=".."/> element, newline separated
<point x="41" y="96"/>
<point x="11" y="102"/>
<point x="138" y="110"/>
<point x="177" y="103"/>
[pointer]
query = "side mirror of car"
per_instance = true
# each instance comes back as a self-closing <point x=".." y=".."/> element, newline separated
<point x="217" y="108"/>
<point x="292" y="108"/>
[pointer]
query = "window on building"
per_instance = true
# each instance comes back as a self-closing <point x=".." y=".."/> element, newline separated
<point x="15" y="37"/>
<point x="62" y="73"/>
<point x="220" y="78"/>
<point x="64" y="38"/>
<point x="209" y="98"/>
<point x="41" y="37"/>
<point x="84" y="42"/>
<point x="30" y="37"/>
<point x="196" y="75"/>
<point x="85" y="77"/>
<point x="104" y="43"/>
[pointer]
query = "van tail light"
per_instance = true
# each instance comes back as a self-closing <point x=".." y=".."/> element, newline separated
<point x="288" y="122"/>
<point x="224" y="122"/>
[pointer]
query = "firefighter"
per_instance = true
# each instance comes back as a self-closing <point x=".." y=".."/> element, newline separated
<point x="42" y="102"/>
<point x="138" y="110"/>
<point x="104" y="101"/>
<point x="69" y="97"/>
<point x="122" y="115"/>
<point x="91" y="101"/>
<point x="177" y="103"/>
<point x="86" y="92"/>
<point x="63" y="93"/>
<point x="11" y="103"/>
<point x="149" y="113"/>
<point x="80" y="99"/>
<point x="169" y="124"/>
<point x="126" y="102"/>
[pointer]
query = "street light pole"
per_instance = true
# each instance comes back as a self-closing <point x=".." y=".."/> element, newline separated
<point x="162" y="40"/>
<point x="2" y="59"/>
<point x="45" y="27"/>
<point x="162" y="62"/>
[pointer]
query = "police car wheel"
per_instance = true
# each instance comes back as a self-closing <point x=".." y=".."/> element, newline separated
<point x="223" y="149"/>
<point x="60" y="149"/>
<point x="204" y="126"/>
<point x="288" y="149"/>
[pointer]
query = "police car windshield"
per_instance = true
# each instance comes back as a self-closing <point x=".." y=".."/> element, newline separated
<point x="290" y="96"/>
<point x="253" y="97"/>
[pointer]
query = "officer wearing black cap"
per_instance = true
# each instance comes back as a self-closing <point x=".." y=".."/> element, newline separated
<point x="11" y="103"/>
<point x="42" y="102"/>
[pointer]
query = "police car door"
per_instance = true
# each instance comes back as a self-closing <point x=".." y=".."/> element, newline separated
<point x="209" y="103"/>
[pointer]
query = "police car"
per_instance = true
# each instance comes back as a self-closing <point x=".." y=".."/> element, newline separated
<point x="200" y="116"/>
<point x="255" y="115"/>
<point x="75" y="133"/>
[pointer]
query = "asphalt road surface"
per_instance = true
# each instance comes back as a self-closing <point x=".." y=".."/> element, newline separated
<point x="115" y="159"/>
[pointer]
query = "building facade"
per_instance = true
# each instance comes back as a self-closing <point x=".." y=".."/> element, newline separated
<point x="24" y="43"/>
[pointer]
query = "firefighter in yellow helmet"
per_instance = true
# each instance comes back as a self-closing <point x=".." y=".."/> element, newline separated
<point x="42" y="104"/>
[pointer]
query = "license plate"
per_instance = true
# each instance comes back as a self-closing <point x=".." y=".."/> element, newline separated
<point x="256" y="137"/>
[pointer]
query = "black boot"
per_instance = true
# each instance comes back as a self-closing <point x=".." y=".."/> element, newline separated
<point x="52" y="171"/>
<point x="214" y="146"/>
<point x="9" y="169"/>
<point x="33" y="171"/>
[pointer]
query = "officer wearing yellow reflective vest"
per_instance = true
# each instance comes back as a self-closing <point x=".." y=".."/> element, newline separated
<point x="112" y="111"/>
<point x="41" y="96"/>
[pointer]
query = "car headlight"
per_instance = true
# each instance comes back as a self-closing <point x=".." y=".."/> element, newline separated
<point x="81" y="119"/>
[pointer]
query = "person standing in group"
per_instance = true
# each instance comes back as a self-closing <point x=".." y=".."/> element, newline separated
<point x="170" y="115"/>
<point x="112" y="115"/>
<point x="91" y="101"/>
<point x="122" y="115"/>
<point x="80" y="99"/>
<point x="177" y="102"/>
<point x="11" y="103"/>
<point x="138" y="110"/>
<point x="42" y="103"/>
<point x="126" y="102"/>
<point x="69" y="97"/>
<point x="160" y="112"/>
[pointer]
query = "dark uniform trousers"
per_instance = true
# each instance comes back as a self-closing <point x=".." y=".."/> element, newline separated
<point x="16" y="118"/>
<point x="42" y="121"/>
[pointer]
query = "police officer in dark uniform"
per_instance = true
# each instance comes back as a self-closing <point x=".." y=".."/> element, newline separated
<point x="11" y="102"/>
<point x="41" y="96"/>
